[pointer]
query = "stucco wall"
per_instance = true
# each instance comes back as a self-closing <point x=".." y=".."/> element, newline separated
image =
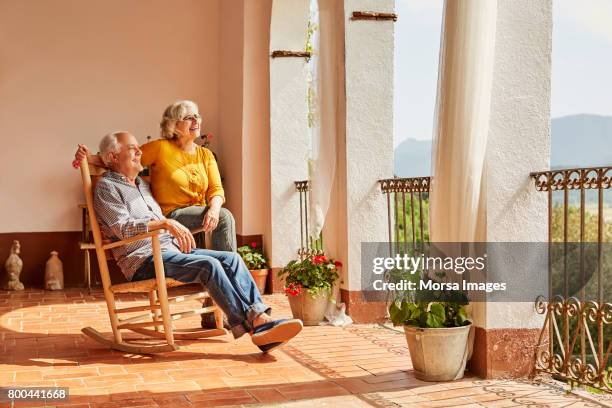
<point x="288" y="128"/>
<point x="519" y="140"/>
<point x="369" y="129"/>
<point x="73" y="71"/>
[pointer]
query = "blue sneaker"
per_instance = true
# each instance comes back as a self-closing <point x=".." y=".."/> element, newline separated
<point x="277" y="331"/>
<point x="266" y="348"/>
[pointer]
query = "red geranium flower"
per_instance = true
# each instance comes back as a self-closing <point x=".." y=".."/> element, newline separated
<point x="253" y="244"/>
<point x="338" y="264"/>
<point x="293" y="289"/>
<point x="318" y="259"/>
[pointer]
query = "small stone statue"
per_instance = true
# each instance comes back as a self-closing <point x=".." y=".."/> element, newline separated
<point x="54" y="273"/>
<point x="13" y="266"/>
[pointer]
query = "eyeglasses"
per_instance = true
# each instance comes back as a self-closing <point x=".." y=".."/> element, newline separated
<point x="191" y="118"/>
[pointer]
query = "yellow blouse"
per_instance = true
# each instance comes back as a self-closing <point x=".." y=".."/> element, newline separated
<point x="181" y="179"/>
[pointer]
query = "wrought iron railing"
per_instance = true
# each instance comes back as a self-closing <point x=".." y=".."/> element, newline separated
<point x="309" y="245"/>
<point x="407" y="212"/>
<point x="576" y="338"/>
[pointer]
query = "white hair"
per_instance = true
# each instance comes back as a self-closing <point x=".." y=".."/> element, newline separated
<point x="173" y="113"/>
<point x="108" y="145"/>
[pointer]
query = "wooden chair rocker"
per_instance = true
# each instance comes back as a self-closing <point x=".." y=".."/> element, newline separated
<point x="157" y="322"/>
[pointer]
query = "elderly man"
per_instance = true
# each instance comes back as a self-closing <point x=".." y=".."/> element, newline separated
<point x="125" y="207"/>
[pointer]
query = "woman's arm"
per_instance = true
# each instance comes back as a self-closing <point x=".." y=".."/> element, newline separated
<point x="211" y="219"/>
<point x="215" y="188"/>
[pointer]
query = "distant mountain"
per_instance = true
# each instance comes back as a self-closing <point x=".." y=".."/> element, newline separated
<point x="413" y="158"/>
<point x="577" y="141"/>
<point x="581" y="141"/>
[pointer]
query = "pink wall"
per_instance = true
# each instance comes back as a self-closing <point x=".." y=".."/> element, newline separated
<point x="72" y="71"/>
<point x="83" y="69"/>
<point x="244" y="112"/>
<point x="256" y="118"/>
<point x="230" y="60"/>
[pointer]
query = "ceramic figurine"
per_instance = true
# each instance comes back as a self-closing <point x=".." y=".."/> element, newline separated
<point x="13" y="266"/>
<point x="54" y="273"/>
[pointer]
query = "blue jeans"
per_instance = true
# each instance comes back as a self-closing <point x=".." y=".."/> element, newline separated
<point x="223" y="274"/>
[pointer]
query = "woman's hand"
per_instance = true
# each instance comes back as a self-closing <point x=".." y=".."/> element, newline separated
<point x="81" y="153"/>
<point x="211" y="219"/>
<point x="182" y="234"/>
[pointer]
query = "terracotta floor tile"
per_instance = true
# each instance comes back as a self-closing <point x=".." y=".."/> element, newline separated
<point x="254" y="380"/>
<point x="449" y="394"/>
<point x="312" y="390"/>
<point x="225" y="402"/>
<point x="211" y="383"/>
<point x="133" y="403"/>
<point x="344" y="401"/>
<point x="218" y="395"/>
<point x="178" y="387"/>
<point x="267" y="395"/>
<point x="70" y="383"/>
<point x="173" y="402"/>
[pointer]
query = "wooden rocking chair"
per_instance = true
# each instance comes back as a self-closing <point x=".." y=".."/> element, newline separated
<point x="158" y="310"/>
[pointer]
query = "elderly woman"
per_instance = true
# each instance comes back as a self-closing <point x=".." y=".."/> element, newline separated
<point x="185" y="178"/>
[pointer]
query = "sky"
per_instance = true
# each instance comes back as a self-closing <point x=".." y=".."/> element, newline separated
<point x="581" y="62"/>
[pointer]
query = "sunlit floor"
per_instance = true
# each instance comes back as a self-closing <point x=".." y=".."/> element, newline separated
<point x="359" y="366"/>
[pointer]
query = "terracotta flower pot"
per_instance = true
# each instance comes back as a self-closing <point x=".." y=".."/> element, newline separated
<point x="260" y="276"/>
<point x="309" y="309"/>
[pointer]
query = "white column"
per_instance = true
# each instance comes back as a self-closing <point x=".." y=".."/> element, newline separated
<point x="288" y="128"/>
<point x="365" y="154"/>
<point x="518" y="143"/>
<point x="519" y="139"/>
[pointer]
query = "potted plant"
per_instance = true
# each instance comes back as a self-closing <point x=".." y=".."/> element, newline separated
<point x="437" y="331"/>
<point x="308" y="285"/>
<point x="255" y="261"/>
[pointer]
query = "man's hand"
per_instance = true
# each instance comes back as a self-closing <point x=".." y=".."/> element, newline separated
<point x="182" y="234"/>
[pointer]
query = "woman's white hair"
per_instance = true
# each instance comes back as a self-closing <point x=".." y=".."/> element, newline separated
<point x="109" y="145"/>
<point x="173" y="113"/>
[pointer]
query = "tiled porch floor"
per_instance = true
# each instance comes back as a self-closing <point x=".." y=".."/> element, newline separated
<point x="359" y="366"/>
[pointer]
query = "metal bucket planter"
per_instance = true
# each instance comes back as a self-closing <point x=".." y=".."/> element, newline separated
<point x="309" y="309"/>
<point x="438" y="354"/>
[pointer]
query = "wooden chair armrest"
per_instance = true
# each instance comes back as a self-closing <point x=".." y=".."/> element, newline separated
<point x="132" y="239"/>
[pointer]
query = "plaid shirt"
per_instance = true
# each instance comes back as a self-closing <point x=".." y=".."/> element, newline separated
<point x="124" y="210"/>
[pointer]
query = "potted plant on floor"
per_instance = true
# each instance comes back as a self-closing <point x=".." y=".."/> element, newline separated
<point x="308" y="285"/>
<point x="256" y="262"/>
<point x="437" y="331"/>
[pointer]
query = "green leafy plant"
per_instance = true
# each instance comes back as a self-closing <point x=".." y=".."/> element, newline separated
<point x="315" y="273"/>
<point x="428" y="314"/>
<point x="252" y="256"/>
<point x="431" y="309"/>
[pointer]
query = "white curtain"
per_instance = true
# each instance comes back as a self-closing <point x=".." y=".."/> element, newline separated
<point x="457" y="202"/>
<point x="325" y="65"/>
